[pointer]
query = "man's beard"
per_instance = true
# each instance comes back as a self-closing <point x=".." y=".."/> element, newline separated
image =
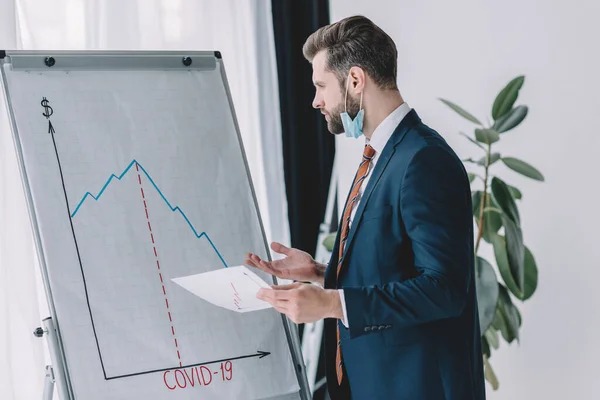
<point x="334" y="125"/>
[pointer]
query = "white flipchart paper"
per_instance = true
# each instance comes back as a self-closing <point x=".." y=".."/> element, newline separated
<point x="141" y="182"/>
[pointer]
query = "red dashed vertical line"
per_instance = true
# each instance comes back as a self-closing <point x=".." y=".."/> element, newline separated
<point x="158" y="265"/>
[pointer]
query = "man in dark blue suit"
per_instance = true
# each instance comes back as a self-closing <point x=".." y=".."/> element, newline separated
<point x="398" y="295"/>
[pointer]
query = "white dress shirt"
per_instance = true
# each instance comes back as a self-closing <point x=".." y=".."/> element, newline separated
<point x="378" y="140"/>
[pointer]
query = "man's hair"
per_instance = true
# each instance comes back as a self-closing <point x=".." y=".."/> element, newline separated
<point x="355" y="41"/>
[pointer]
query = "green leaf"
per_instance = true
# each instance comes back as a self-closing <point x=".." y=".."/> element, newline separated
<point x="511" y="120"/>
<point x="498" y="323"/>
<point x="461" y="111"/>
<point x="472" y="140"/>
<point x="472" y="177"/>
<point x="499" y="244"/>
<point x="506" y="98"/>
<point x="509" y="315"/>
<point x="523" y="168"/>
<point x="515" y="251"/>
<point x="514" y="192"/>
<point x="492" y="337"/>
<point x="487" y="136"/>
<point x="531" y="274"/>
<point x="493" y="158"/>
<point x="505" y="200"/>
<point x="486" y="286"/>
<point x="329" y="241"/>
<point x="492" y="221"/>
<point x="490" y="376"/>
<point x="514" y="235"/>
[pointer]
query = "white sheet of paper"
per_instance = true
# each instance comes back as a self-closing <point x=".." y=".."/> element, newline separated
<point x="234" y="288"/>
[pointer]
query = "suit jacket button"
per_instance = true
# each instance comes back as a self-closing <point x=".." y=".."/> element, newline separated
<point x="367" y="328"/>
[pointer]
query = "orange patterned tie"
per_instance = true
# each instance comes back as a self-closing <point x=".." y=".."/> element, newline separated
<point x="358" y="180"/>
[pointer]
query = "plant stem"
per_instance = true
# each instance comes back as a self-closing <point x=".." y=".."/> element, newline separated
<point x="483" y="198"/>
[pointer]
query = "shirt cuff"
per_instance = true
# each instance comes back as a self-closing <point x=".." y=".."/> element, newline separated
<point x="343" y="301"/>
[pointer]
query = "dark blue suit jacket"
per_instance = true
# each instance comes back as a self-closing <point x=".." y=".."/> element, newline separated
<point x="408" y="279"/>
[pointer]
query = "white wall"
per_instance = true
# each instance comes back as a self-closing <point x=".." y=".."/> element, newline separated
<point x="466" y="51"/>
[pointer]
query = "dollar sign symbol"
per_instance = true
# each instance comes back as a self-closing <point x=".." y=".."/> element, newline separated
<point x="48" y="111"/>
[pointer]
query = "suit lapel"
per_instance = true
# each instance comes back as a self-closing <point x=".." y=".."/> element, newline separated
<point x="380" y="166"/>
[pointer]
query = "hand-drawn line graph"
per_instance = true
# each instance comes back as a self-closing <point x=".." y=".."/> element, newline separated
<point x="139" y="171"/>
<point x="174" y="209"/>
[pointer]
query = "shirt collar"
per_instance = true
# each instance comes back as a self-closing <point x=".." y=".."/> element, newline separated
<point x="386" y="128"/>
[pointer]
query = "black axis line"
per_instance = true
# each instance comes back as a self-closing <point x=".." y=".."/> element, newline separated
<point x="51" y="131"/>
<point x="259" y="354"/>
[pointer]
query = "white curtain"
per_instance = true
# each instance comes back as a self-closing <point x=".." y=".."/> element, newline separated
<point x="240" y="30"/>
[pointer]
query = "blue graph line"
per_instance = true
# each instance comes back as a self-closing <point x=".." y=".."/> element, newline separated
<point x="176" y="208"/>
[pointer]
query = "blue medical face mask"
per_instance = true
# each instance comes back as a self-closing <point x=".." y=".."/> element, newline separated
<point x="352" y="128"/>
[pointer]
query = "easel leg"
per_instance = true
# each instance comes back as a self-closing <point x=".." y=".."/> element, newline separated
<point x="49" y="383"/>
<point x="54" y="372"/>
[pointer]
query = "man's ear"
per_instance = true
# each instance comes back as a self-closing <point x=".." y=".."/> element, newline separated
<point x="357" y="78"/>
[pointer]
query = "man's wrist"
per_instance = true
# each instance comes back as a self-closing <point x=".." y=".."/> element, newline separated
<point x="320" y="273"/>
<point x="335" y="304"/>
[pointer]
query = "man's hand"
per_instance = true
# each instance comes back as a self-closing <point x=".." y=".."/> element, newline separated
<point x="297" y="265"/>
<point x="302" y="302"/>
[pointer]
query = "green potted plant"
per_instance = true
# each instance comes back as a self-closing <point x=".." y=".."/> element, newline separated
<point x="498" y="222"/>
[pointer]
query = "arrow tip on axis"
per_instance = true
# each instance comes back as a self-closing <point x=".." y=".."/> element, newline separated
<point x="263" y="353"/>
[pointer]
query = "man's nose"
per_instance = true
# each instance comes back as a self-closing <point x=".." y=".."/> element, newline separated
<point x="317" y="102"/>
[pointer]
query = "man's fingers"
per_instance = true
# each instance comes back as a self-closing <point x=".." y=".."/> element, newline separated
<point x="294" y="285"/>
<point x="256" y="262"/>
<point x="271" y="295"/>
<point x="281" y="305"/>
<point x="266" y="266"/>
<point x="249" y="262"/>
<point x="279" y="248"/>
<point x="258" y="265"/>
<point x="282" y="309"/>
